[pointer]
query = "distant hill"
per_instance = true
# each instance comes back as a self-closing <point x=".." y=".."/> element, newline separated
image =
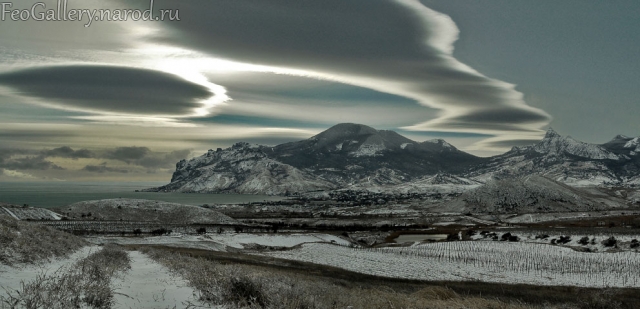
<point x="529" y="194"/>
<point x="143" y="210"/>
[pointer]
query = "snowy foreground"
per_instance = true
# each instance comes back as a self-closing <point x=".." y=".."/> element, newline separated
<point x="500" y="262"/>
<point x="146" y="285"/>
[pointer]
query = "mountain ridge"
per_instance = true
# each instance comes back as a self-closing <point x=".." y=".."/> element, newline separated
<point x="349" y="154"/>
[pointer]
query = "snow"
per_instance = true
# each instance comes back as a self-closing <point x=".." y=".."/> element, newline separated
<point x="23" y="213"/>
<point x="634" y="143"/>
<point x="368" y="150"/>
<point x="339" y="146"/>
<point x="11" y="213"/>
<point x="177" y="240"/>
<point x="151" y="285"/>
<point x="275" y="240"/>
<point x="219" y="242"/>
<point x="441" y="142"/>
<point x="499" y="262"/>
<point x="555" y="145"/>
<point x="11" y="277"/>
<point x="146" y="285"/>
<point x="404" y="145"/>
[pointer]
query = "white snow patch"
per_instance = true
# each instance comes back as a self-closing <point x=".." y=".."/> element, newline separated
<point x="404" y="145"/>
<point x="275" y="240"/>
<point x="151" y="285"/>
<point x="368" y="150"/>
<point x="12" y="277"/>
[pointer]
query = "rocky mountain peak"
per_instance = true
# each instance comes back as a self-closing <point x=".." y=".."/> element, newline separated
<point x="551" y="134"/>
<point x="553" y="144"/>
<point x="343" y="130"/>
<point x="621" y="137"/>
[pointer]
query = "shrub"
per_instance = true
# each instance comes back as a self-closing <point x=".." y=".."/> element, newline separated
<point x="584" y="241"/>
<point x="564" y="240"/>
<point x="505" y="236"/>
<point x="610" y="242"/>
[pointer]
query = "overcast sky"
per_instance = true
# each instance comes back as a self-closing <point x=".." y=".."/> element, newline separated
<point x="128" y="99"/>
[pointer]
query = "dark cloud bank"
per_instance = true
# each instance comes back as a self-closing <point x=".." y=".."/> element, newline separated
<point x="111" y="89"/>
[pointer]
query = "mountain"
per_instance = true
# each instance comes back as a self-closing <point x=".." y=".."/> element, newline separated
<point x="358" y="157"/>
<point x="342" y="156"/>
<point x="242" y="168"/>
<point x="529" y="194"/>
<point x="566" y="160"/>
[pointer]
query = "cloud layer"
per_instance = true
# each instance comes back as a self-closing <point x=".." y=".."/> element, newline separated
<point x="109" y="89"/>
<point x="399" y="47"/>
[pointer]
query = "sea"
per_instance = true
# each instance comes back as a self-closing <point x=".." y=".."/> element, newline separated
<point x="58" y="194"/>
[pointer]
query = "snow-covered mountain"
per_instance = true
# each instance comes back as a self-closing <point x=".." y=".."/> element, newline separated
<point x="555" y="145"/>
<point x="342" y="156"/>
<point x="357" y="156"/>
<point x="566" y="160"/>
<point x="242" y="168"/>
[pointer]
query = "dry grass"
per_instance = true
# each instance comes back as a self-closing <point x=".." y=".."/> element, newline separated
<point x="24" y="242"/>
<point x="87" y="284"/>
<point x="247" y="286"/>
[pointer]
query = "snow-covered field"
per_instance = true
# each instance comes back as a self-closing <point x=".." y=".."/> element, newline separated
<point x="502" y="262"/>
<point x="218" y="242"/>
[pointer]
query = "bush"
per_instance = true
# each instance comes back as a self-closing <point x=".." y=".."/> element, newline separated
<point x="564" y="240"/>
<point x="584" y="241"/>
<point x="610" y="242"/>
<point x="160" y="232"/>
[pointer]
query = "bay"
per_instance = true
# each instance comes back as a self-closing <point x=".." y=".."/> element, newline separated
<point x="58" y="194"/>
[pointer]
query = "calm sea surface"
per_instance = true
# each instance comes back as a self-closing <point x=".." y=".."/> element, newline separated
<point x="55" y="194"/>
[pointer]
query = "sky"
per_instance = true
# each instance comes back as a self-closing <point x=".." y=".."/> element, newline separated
<point x="125" y="100"/>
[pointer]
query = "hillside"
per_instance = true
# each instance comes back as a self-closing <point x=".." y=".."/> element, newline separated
<point x="143" y="210"/>
<point x="529" y="194"/>
<point x="24" y="242"/>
